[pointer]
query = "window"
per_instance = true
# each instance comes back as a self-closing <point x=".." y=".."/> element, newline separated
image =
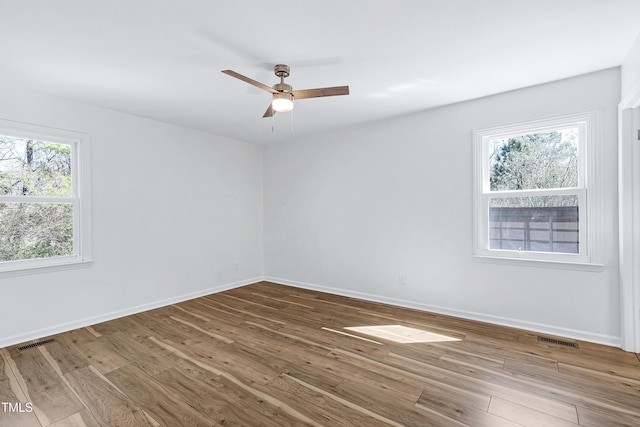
<point x="44" y="200"/>
<point x="532" y="193"/>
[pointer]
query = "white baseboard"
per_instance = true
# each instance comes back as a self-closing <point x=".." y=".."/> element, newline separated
<point x="481" y="317"/>
<point x="52" y="330"/>
<point x="609" y="340"/>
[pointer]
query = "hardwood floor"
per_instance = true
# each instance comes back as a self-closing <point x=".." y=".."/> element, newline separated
<point x="271" y="355"/>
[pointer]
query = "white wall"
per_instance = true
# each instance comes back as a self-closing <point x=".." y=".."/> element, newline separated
<point x="170" y="205"/>
<point x="350" y="211"/>
<point x="630" y="77"/>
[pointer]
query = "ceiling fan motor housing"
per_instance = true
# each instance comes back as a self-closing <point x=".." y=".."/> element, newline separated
<point x="283" y="87"/>
<point x="282" y="70"/>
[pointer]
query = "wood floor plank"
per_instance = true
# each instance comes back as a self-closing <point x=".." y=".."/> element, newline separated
<point x="532" y="400"/>
<point x="288" y="302"/>
<point x="232" y="359"/>
<point x="80" y="419"/>
<point x="239" y="314"/>
<point x="43" y="386"/>
<point x="104" y="328"/>
<point x="437" y="394"/>
<point x="102" y="354"/>
<point x="401" y="411"/>
<point x="66" y="354"/>
<point x="463" y="415"/>
<point x="165" y="329"/>
<point x="81" y="335"/>
<point x="104" y="402"/>
<point x="580" y="390"/>
<point x="586" y="375"/>
<point x="209" y="399"/>
<point x="529" y="363"/>
<point x="379" y="379"/>
<point x="165" y="406"/>
<point x="257" y="299"/>
<point x="530" y="391"/>
<point x="138" y="354"/>
<point x="262" y="401"/>
<point x="327" y="407"/>
<point x="133" y="327"/>
<point x="311" y="367"/>
<point x="525" y="415"/>
<point x="18" y="419"/>
<point x="253" y="388"/>
<point x="11" y="393"/>
<point x="454" y="353"/>
<point x="288" y="336"/>
<point x="203" y="329"/>
<point x="10" y="390"/>
<point x="598" y="418"/>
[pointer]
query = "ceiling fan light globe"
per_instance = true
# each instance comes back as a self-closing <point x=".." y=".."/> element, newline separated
<point x="282" y="102"/>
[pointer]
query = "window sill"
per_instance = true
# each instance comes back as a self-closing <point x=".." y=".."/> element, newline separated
<point x="566" y="265"/>
<point x="33" y="269"/>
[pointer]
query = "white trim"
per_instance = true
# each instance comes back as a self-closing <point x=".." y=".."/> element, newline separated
<point x="45" y="133"/>
<point x="629" y="223"/>
<point x="46" y="265"/>
<point x="588" y="190"/>
<point x="541" y="192"/>
<point x="83" y="192"/>
<point x="80" y="197"/>
<point x="527" y="262"/>
<point x="37" y="199"/>
<point x="64" y="327"/>
<point x="609" y="340"/>
<point x="632" y="98"/>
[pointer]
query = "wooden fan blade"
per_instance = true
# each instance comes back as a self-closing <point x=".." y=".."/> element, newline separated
<point x="250" y="81"/>
<point x="323" y="91"/>
<point x="270" y="112"/>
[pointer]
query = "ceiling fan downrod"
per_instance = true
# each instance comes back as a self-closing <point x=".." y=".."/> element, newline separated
<point x="282" y="71"/>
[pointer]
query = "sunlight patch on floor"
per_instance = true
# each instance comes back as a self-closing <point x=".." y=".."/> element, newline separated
<point x="401" y="334"/>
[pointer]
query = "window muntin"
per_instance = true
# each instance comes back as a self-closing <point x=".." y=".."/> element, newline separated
<point x="531" y="193"/>
<point x="43" y="220"/>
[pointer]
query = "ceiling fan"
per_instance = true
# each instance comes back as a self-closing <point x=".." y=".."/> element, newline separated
<point x="283" y="93"/>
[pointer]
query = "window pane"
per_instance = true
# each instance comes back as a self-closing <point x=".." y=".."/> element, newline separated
<point x="536" y="223"/>
<point x="534" y="161"/>
<point x="34" y="168"/>
<point x="35" y="230"/>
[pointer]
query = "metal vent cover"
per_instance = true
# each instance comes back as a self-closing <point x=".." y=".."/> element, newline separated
<point x="558" y="342"/>
<point x="36" y="344"/>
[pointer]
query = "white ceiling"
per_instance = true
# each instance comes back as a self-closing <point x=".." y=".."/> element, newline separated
<point x="162" y="58"/>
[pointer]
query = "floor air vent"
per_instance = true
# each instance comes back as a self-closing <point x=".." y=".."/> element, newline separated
<point x="558" y="342"/>
<point x="36" y="344"/>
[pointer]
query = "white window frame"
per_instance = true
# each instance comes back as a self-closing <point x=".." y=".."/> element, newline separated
<point x="80" y="198"/>
<point x="587" y="191"/>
